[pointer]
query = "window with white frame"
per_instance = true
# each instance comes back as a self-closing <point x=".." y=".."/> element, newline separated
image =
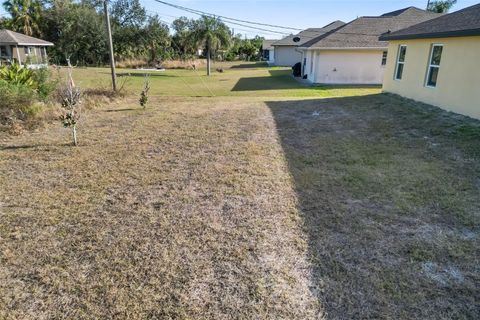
<point x="402" y="52"/>
<point x="384" y="58"/>
<point x="434" y="65"/>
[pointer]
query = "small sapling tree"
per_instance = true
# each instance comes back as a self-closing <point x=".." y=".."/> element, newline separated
<point x="144" y="94"/>
<point x="70" y="101"/>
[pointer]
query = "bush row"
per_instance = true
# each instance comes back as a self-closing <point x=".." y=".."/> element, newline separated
<point x="21" y="89"/>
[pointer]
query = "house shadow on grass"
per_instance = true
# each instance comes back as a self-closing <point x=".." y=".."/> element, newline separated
<point x="250" y="65"/>
<point x="278" y="80"/>
<point x="379" y="207"/>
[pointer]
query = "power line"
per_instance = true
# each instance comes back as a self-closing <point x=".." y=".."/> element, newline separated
<point x="198" y="12"/>
<point x="263" y="31"/>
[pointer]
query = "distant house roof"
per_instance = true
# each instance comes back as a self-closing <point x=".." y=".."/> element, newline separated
<point x="364" y="32"/>
<point x="15" y="38"/>
<point x="267" y="44"/>
<point x="307" y="35"/>
<point x="465" y="22"/>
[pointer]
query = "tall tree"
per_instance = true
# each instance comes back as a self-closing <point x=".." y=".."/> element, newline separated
<point x="156" y="36"/>
<point x="442" y="6"/>
<point x="213" y="33"/>
<point x="78" y="32"/>
<point x="4" y="23"/>
<point x="182" y="40"/>
<point x="26" y="15"/>
<point x="128" y="13"/>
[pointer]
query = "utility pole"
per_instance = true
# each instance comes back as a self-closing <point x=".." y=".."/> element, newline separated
<point x="110" y="46"/>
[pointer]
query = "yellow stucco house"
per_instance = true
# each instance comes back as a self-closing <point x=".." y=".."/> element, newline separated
<point x="437" y="62"/>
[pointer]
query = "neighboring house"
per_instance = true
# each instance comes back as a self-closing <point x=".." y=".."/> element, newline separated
<point x="22" y="49"/>
<point x="268" y="51"/>
<point x="353" y="54"/>
<point x="437" y="62"/>
<point x="286" y="52"/>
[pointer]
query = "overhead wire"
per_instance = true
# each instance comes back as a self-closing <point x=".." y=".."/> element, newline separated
<point x="226" y="22"/>
<point x="199" y="12"/>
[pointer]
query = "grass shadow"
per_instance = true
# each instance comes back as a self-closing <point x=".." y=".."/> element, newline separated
<point x="122" y="110"/>
<point x="250" y="65"/>
<point x="278" y="80"/>
<point x="375" y="179"/>
<point x="32" y="146"/>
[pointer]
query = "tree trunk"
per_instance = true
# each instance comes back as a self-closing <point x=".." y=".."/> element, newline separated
<point x="74" y="131"/>
<point x="208" y="60"/>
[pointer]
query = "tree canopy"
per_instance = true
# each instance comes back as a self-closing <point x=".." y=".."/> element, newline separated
<point x="77" y="28"/>
<point x="442" y="6"/>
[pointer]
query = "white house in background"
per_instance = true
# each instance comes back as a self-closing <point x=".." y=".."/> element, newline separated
<point x="286" y="53"/>
<point x="268" y="51"/>
<point x="353" y="53"/>
<point x="24" y="50"/>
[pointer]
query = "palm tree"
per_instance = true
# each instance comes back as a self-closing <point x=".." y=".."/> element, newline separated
<point x="213" y="33"/>
<point x="25" y="15"/>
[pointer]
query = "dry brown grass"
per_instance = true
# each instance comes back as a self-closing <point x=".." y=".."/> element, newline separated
<point x="167" y="64"/>
<point x="184" y="210"/>
<point x="131" y="63"/>
<point x="389" y="193"/>
<point x="220" y="208"/>
<point x="183" y="64"/>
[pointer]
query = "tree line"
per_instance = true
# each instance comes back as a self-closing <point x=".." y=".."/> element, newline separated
<point x="77" y="28"/>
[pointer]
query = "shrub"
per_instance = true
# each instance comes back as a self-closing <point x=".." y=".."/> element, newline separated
<point x="16" y="96"/>
<point x="43" y="83"/>
<point x="17" y="102"/>
<point x="144" y="94"/>
<point x="17" y="75"/>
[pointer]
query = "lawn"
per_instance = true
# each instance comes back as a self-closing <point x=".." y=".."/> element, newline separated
<point x="238" y="80"/>
<point x="282" y="202"/>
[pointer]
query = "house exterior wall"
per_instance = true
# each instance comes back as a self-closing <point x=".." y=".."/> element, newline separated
<point x="310" y="58"/>
<point x="271" y="56"/>
<point x="346" y="66"/>
<point x="16" y="53"/>
<point x="270" y="53"/>
<point x="458" y="82"/>
<point x="287" y="56"/>
<point x="37" y="58"/>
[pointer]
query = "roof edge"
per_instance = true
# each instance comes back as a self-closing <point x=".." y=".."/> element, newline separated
<point x="341" y="48"/>
<point x="46" y="44"/>
<point x="447" y="34"/>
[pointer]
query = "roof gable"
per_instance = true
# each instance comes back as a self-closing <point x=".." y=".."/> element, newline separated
<point x="15" y="38"/>
<point x="308" y="34"/>
<point x="465" y="22"/>
<point x="364" y="32"/>
<point x="267" y="44"/>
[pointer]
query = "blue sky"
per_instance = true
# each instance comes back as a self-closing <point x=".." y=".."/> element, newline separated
<point x="292" y="13"/>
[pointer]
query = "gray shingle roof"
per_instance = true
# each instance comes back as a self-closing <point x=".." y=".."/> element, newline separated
<point x="308" y="34"/>
<point x="364" y="32"/>
<point x="267" y="44"/>
<point x="465" y="22"/>
<point x="15" y="38"/>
